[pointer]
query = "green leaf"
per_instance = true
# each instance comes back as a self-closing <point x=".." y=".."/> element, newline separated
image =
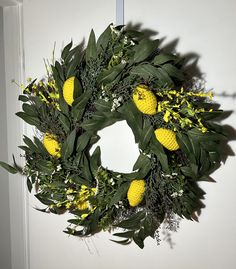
<point x="86" y="168"/>
<point x="122" y="242"/>
<point x="149" y="226"/>
<point x="186" y="146"/>
<point x="95" y="160"/>
<point x="164" y="78"/>
<point x="46" y="167"/>
<point x="173" y="71"/>
<point x="29" y="184"/>
<point x="64" y="122"/>
<point x="81" y="101"/>
<point x="73" y="65"/>
<point x="23" y="98"/>
<point x="68" y="145"/>
<point x="211" y="115"/>
<point x="147" y="133"/>
<point x="120" y="193"/>
<point x="128" y="234"/>
<point x="91" y="51"/>
<point x="26" y="149"/>
<point x="144" y="49"/>
<point x="66" y="50"/>
<point x="158" y="150"/>
<point x="134" y="119"/>
<point x="40" y="146"/>
<point x="82" y="142"/>
<point x="77" y="88"/>
<point x="60" y="70"/>
<point x="164" y="58"/>
<point x="8" y="167"/>
<point x="28" y="119"/>
<point x="140" y="162"/>
<point x="133" y="222"/>
<point x="145" y="71"/>
<point x="108" y="75"/>
<point x="104" y="39"/>
<point x="30" y="110"/>
<point x="208" y="136"/>
<point x="187" y="171"/>
<point x="63" y="106"/>
<point x="30" y="144"/>
<point x="102" y="105"/>
<point x="100" y="120"/>
<point x="138" y="240"/>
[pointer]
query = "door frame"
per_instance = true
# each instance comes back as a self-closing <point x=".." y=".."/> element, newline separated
<point x="14" y="69"/>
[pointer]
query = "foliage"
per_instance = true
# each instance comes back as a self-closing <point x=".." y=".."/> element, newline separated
<point x="108" y="72"/>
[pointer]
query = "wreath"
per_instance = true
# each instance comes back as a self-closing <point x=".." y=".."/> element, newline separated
<point x="123" y="75"/>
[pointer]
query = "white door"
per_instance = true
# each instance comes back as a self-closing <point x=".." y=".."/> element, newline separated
<point x="203" y="27"/>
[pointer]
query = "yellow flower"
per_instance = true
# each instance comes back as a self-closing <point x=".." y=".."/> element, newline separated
<point x="136" y="192"/>
<point x="167" y="138"/>
<point x="82" y="202"/>
<point x="145" y="100"/>
<point x="68" y="89"/>
<point x="84" y="216"/>
<point x="167" y="116"/>
<point x="51" y="145"/>
<point x="82" y="205"/>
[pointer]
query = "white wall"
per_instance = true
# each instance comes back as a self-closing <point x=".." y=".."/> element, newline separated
<point x="204" y="27"/>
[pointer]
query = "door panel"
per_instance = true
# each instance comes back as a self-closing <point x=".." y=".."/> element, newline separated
<point x="204" y="27"/>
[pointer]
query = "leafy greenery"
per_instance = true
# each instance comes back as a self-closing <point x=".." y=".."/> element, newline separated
<point x="67" y="176"/>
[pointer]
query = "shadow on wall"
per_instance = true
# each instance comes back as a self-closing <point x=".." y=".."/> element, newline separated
<point x="189" y="64"/>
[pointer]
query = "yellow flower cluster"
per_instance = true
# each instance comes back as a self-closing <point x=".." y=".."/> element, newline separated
<point x="46" y="91"/>
<point x="176" y="103"/>
<point x="80" y="200"/>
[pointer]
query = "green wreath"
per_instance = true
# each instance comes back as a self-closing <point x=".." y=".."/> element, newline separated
<point x="121" y="76"/>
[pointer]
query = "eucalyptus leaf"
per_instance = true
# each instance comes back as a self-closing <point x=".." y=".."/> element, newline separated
<point x="104" y="39"/>
<point x="28" y="119"/>
<point x="68" y="145"/>
<point x="23" y="98"/>
<point x="122" y="242"/>
<point x="91" y="51"/>
<point x="133" y="222"/>
<point x="82" y="142"/>
<point x="174" y="71"/>
<point x="66" y="50"/>
<point x="109" y="75"/>
<point x="163" y="58"/>
<point x="128" y="234"/>
<point x="73" y="65"/>
<point x="8" y="167"/>
<point x="144" y="49"/>
<point x="120" y="193"/>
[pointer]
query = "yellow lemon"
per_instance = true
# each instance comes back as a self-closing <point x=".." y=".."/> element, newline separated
<point x="167" y="138"/>
<point x="145" y="100"/>
<point x="51" y="145"/>
<point x="68" y="89"/>
<point x="136" y="192"/>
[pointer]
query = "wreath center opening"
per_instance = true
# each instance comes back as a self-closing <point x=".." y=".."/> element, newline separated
<point x="119" y="151"/>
